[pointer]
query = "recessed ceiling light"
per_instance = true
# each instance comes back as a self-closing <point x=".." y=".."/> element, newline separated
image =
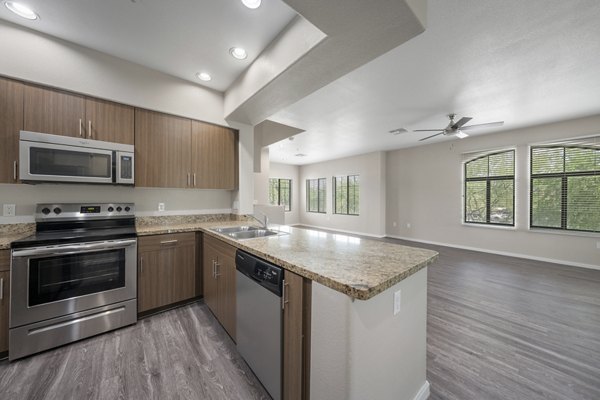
<point x="203" y="76"/>
<point x="238" y="52"/>
<point x="21" y="10"/>
<point x="251" y="3"/>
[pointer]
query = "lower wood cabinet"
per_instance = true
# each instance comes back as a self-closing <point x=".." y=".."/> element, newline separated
<point x="166" y="270"/>
<point x="4" y="298"/>
<point x="219" y="281"/>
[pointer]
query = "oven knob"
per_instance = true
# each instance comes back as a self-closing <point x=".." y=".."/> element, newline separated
<point x="57" y="210"/>
<point x="127" y="209"/>
<point x="45" y="211"/>
<point x="110" y="209"/>
<point x="119" y="209"/>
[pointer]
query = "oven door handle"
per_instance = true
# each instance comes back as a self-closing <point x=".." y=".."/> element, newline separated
<point x="71" y="249"/>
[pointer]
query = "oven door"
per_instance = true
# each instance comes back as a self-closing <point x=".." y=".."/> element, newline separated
<point x="63" y="163"/>
<point x="53" y="281"/>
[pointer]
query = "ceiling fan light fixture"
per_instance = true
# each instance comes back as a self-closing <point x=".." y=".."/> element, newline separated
<point x="21" y="10"/>
<point x="398" y="131"/>
<point x="461" y="134"/>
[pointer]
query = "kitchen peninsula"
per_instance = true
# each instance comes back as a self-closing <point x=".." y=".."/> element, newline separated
<point x="364" y="308"/>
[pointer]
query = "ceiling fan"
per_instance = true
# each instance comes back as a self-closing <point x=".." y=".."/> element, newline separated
<point x="457" y="128"/>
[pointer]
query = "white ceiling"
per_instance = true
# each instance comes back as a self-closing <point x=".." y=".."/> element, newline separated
<point x="179" y="37"/>
<point x="524" y="62"/>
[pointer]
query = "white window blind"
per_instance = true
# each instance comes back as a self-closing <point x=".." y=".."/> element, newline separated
<point x="565" y="185"/>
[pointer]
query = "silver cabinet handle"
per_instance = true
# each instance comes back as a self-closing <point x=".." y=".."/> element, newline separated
<point x="15" y="170"/>
<point x="213" y="271"/>
<point x="194" y="179"/>
<point x="89" y="128"/>
<point x="1" y="288"/>
<point x="80" y="127"/>
<point x="141" y="265"/>
<point x="217" y="268"/>
<point x="188" y="179"/>
<point x="169" y="241"/>
<point x="76" y="248"/>
<point x="284" y="299"/>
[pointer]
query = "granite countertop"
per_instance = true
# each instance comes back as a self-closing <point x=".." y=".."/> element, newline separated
<point x="360" y="268"/>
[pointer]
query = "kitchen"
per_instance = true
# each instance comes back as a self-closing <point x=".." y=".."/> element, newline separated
<point x="169" y="189"/>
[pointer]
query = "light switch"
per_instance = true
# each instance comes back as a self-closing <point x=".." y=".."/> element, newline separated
<point x="161" y="206"/>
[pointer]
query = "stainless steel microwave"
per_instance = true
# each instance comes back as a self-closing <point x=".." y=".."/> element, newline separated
<point x="52" y="158"/>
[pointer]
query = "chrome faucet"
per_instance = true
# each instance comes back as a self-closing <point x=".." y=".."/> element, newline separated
<point x="264" y="222"/>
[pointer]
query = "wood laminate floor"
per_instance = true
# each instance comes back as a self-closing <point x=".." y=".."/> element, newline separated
<point x="498" y="328"/>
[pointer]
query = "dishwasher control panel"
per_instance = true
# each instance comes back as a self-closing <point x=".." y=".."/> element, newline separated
<point x="268" y="275"/>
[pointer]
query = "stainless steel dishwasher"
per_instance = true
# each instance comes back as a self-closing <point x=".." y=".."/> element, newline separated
<point x="259" y="319"/>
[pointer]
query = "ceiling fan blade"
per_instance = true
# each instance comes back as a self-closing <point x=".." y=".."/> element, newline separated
<point x="461" y="122"/>
<point x="429" y="137"/>
<point x="488" y="125"/>
<point x="428" y="130"/>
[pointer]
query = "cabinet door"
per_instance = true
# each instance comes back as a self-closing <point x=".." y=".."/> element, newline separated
<point x="199" y="264"/>
<point x="214" y="156"/>
<point x="54" y="112"/>
<point x="208" y="279"/>
<point x="226" y="279"/>
<point x="108" y="121"/>
<point x="293" y="348"/>
<point x="4" y="296"/>
<point x="162" y="150"/>
<point x="184" y="267"/>
<point x="11" y="122"/>
<point x="154" y="279"/>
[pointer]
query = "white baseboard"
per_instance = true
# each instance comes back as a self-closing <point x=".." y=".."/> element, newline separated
<point x="423" y="393"/>
<point x="501" y="253"/>
<point x="342" y="231"/>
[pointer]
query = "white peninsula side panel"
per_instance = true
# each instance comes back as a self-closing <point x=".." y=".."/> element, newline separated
<point x="361" y="350"/>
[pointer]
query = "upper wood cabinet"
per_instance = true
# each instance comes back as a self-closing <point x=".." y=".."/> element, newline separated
<point x="54" y="112"/>
<point x="162" y="150"/>
<point x="66" y="114"/>
<point x="11" y="122"/>
<point x="214" y="156"/>
<point x="108" y="121"/>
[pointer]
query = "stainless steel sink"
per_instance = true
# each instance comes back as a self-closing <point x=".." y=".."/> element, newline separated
<point x="229" y="229"/>
<point x="255" y="233"/>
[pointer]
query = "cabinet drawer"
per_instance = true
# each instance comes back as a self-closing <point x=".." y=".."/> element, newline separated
<point x="156" y="242"/>
<point x="220" y="246"/>
<point x="4" y="260"/>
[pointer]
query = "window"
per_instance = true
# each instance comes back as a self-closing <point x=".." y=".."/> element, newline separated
<point x="280" y="193"/>
<point x="315" y="195"/>
<point x="565" y="187"/>
<point x="346" y="195"/>
<point x="490" y="189"/>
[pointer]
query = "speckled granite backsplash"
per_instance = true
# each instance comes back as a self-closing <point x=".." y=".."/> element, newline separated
<point x="16" y="229"/>
<point x="187" y="219"/>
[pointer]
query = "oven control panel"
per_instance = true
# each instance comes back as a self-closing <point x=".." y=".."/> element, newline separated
<point x="82" y="211"/>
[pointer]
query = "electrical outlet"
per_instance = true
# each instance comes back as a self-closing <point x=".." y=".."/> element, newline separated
<point x="161" y="206"/>
<point x="9" y="210"/>
<point x="397" y="302"/>
<point x="408" y="225"/>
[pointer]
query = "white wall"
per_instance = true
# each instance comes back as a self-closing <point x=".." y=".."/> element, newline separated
<point x="371" y="169"/>
<point x="177" y="201"/>
<point x="34" y="57"/>
<point x="292" y="172"/>
<point x="424" y="188"/>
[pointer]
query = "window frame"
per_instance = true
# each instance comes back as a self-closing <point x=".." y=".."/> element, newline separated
<point x="488" y="179"/>
<point x="279" y="192"/>
<point x="324" y="180"/>
<point x="563" y="190"/>
<point x="334" y="186"/>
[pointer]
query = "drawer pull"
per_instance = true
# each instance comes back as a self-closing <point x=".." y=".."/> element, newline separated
<point x="169" y="241"/>
<point x="1" y="288"/>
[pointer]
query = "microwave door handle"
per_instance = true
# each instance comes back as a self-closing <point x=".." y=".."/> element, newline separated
<point x="77" y="248"/>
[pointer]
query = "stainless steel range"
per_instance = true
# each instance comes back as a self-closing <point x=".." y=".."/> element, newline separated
<point x="74" y="278"/>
